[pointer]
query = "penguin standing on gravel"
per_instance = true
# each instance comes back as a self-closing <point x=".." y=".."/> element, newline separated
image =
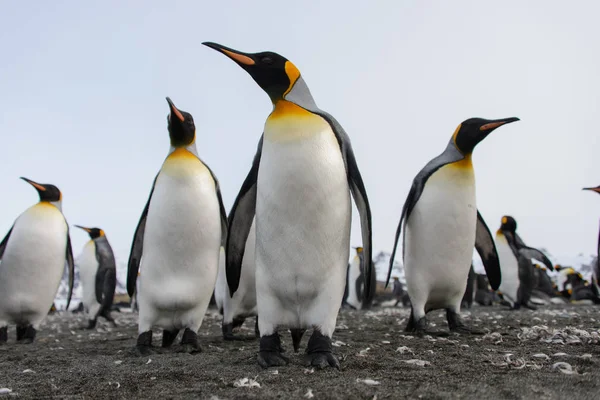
<point x="517" y="269"/>
<point x="299" y="190"/>
<point x="98" y="274"/>
<point x="442" y="225"/>
<point x="596" y="266"/>
<point x="33" y="255"/>
<point x="177" y="241"/>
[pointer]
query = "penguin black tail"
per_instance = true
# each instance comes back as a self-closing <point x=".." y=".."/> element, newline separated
<point x="296" y="338"/>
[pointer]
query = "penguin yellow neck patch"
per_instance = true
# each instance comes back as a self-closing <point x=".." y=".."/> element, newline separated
<point x="183" y="162"/>
<point x="465" y="163"/>
<point x="288" y="121"/>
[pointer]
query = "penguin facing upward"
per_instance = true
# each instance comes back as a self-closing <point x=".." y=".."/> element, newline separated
<point x="442" y="225"/>
<point x="355" y="281"/>
<point x="177" y="241"/>
<point x="242" y="304"/>
<point x="33" y="255"/>
<point x="596" y="267"/>
<point x="98" y="274"/>
<point x="300" y="196"/>
<point x="517" y="268"/>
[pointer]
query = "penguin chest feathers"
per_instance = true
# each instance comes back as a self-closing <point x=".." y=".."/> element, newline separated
<point x="289" y="123"/>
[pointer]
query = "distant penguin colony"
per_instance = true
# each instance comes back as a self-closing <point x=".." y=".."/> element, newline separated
<point x="281" y="255"/>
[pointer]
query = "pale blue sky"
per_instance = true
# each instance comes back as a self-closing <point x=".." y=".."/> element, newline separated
<point x="83" y="86"/>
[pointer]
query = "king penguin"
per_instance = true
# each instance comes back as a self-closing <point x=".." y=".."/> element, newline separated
<point x="177" y="241"/>
<point x="299" y="190"/>
<point x="596" y="266"/>
<point x="98" y="274"/>
<point x="442" y="224"/>
<point x="33" y="255"/>
<point x="515" y="261"/>
<point x="355" y="282"/>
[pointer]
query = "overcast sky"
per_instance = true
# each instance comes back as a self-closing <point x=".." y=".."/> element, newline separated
<point x="83" y="86"/>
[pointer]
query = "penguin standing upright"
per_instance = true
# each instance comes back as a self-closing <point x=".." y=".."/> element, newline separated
<point x="242" y="304"/>
<point x="517" y="268"/>
<point x="98" y="274"/>
<point x="177" y="241"/>
<point x="355" y="281"/>
<point x="442" y="225"/>
<point x="33" y="255"/>
<point x="301" y="198"/>
<point x="596" y="266"/>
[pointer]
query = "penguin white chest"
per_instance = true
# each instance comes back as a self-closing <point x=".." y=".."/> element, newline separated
<point x="33" y="264"/>
<point x="440" y="236"/>
<point x="510" y="268"/>
<point x="303" y="215"/>
<point x="182" y="236"/>
<point x="88" y="267"/>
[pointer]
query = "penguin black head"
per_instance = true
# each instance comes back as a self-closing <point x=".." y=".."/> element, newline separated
<point x="508" y="224"/>
<point x="472" y="131"/>
<point x="593" y="189"/>
<point x="93" y="232"/>
<point x="274" y="73"/>
<point x="47" y="192"/>
<point x="182" y="130"/>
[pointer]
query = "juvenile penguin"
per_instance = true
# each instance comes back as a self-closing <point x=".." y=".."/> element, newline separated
<point x="33" y="255"/>
<point x="98" y="274"/>
<point x="442" y="225"/>
<point x="355" y="281"/>
<point x="242" y="304"/>
<point x="177" y="241"/>
<point x="299" y="189"/>
<point x="517" y="268"/>
<point x="596" y="266"/>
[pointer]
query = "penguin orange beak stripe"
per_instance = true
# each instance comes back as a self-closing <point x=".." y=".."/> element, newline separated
<point x="84" y="228"/>
<point x="234" y="55"/>
<point x="495" y="124"/>
<point x="174" y="110"/>
<point x="594" y="189"/>
<point x="35" y="185"/>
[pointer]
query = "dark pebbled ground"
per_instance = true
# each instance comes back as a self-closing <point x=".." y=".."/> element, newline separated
<point x="514" y="361"/>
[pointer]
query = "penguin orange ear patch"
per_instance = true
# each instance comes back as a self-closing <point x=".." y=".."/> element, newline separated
<point x="504" y="220"/>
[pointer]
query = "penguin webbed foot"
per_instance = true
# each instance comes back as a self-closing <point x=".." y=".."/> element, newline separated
<point x="189" y="342"/>
<point x="91" y="324"/>
<point x="319" y="352"/>
<point x="417" y="327"/>
<point x="270" y="350"/>
<point x="456" y="324"/>
<point x="143" y="346"/>
<point x="3" y="335"/>
<point x="26" y="334"/>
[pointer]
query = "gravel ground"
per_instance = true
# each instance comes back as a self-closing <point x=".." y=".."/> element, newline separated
<point x="552" y="353"/>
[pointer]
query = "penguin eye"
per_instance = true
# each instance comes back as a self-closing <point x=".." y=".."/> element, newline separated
<point x="266" y="60"/>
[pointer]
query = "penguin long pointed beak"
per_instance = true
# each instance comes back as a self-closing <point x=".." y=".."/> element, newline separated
<point x="174" y="110"/>
<point x="237" y="56"/>
<point x="491" y="125"/>
<point x="83" y="227"/>
<point x="593" y="189"/>
<point x="34" y="184"/>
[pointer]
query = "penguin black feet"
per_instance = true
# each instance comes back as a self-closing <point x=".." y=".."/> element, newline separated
<point x="169" y="337"/>
<point x="3" y="335"/>
<point x="417" y="327"/>
<point x="456" y="324"/>
<point x="91" y="324"/>
<point x="26" y="334"/>
<point x="270" y="350"/>
<point x="110" y="319"/>
<point x="319" y="352"/>
<point x="144" y="344"/>
<point x="189" y="342"/>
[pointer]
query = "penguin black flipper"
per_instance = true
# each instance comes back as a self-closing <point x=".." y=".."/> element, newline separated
<point x="359" y="193"/>
<point x="137" y="247"/>
<point x="450" y="155"/>
<point x="240" y="221"/>
<point x="5" y="242"/>
<point x="71" y="265"/>
<point x="106" y="265"/>
<point x="224" y="224"/>
<point x="486" y="248"/>
<point x="530" y="253"/>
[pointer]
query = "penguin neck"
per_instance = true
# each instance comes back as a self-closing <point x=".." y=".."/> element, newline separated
<point x="190" y="147"/>
<point x="299" y="95"/>
<point x="57" y="204"/>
